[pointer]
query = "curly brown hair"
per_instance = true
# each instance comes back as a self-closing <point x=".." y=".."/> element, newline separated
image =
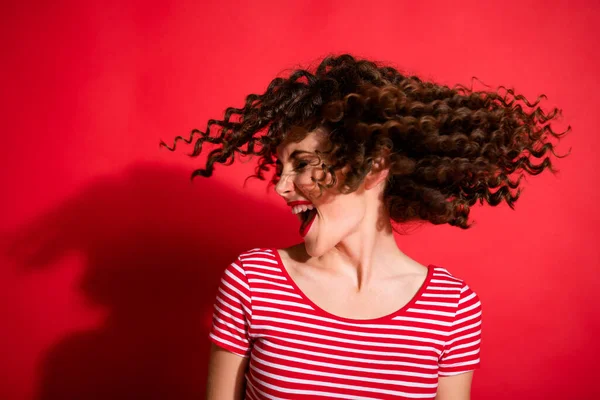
<point x="446" y="147"/>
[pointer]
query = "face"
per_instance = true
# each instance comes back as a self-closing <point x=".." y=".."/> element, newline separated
<point x="324" y="220"/>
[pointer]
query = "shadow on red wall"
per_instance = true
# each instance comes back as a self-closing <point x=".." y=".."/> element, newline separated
<point x="154" y="246"/>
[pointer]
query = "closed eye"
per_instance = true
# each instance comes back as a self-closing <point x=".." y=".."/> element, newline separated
<point x="301" y="165"/>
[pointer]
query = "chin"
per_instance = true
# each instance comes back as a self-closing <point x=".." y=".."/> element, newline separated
<point x="315" y="249"/>
<point x="312" y="249"/>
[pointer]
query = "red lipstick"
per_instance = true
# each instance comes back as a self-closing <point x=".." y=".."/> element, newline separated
<point x="298" y="203"/>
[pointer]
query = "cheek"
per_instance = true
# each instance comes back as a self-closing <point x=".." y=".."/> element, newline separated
<point x="304" y="180"/>
<point x="307" y="182"/>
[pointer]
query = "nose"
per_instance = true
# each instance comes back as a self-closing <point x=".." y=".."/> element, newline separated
<point x="285" y="186"/>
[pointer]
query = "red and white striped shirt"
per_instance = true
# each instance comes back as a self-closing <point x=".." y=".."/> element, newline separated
<point x="299" y="351"/>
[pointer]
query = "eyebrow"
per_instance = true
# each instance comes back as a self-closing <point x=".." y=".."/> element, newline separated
<point x="296" y="153"/>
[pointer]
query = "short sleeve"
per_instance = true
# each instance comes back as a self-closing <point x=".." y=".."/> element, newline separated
<point x="461" y="350"/>
<point x="232" y="311"/>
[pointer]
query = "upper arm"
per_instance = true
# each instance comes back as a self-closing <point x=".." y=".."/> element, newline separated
<point x="225" y="375"/>
<point x="461" y="350"/>
<point x="231" y="342"/>
<point x="455" y="387"/>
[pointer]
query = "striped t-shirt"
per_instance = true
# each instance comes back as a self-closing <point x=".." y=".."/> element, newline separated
<point x="299" y="351"/>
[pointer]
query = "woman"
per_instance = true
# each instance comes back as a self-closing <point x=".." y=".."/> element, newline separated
<point x="358" y="147"/>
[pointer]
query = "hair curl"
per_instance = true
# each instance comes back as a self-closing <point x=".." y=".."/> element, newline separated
<point x="446" y="147"/>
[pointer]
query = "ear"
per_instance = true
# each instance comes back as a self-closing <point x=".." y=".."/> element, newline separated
<point x="379" y="173"/>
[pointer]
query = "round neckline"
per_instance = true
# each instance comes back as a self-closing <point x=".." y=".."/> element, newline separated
<point x="328" y="314"/>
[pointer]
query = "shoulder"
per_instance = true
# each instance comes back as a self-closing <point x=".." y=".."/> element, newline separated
<point x="247" y="261"/>
<point x="444" y="276"/>
<point x="446" y="280"/>
<point x="257" y="260"/>
<point x="258" y="255"/>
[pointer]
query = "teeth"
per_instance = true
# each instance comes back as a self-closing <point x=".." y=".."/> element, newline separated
<point x="301" y="208"/>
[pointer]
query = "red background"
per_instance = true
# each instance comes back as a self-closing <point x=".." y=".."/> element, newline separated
<point x="110" y="256"/>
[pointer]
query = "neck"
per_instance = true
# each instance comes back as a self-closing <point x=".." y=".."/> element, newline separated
<point x="367" y="253"/>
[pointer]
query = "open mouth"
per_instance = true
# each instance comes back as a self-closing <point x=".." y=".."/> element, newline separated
<point x="306" y="213"/>
<point x="306" y="219"/>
